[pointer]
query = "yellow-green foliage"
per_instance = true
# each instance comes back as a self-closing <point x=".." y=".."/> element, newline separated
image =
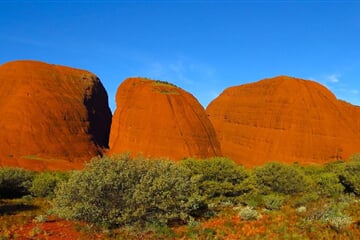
<point x="280" y="178"/>
<point x="220" y="178"/>
<point x="44" y="183"/>
<point x="273" y="201"/>
<point x="350" y="176"/>
<point x="15" y="182"/>
<point x="119" y="190"/>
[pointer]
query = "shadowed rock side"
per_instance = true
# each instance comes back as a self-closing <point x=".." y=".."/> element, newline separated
<point x="52" y="117"/>
<point x="284" y="119"/>
<point x="156" y="119"/>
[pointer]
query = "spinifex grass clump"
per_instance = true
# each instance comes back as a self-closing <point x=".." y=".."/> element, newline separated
<point x="119" y="190"/>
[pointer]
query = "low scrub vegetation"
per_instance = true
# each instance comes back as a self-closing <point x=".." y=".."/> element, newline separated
<point x="44" y="183"/>
<point x="118" y="191"/>
<point x="15" y="182"/>
<point x="199" y="199"/>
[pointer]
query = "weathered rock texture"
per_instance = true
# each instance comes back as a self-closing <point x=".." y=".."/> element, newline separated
<point x="284" y="119"/>
<point x="156" y="119"/>
<point x="52" y="117"/>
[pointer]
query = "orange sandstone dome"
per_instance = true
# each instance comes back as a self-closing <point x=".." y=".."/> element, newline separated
<point x="52" y="117"/>
<point x="157" y="119"/>
<point x="284" y="119"/>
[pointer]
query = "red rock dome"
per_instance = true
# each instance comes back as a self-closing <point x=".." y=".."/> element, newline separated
<point x="284" y="119"/>
<point x="52" y="117"/>
<point x="157" y="119"/>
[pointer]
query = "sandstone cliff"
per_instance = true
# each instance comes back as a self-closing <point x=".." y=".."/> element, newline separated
<point x="157" y="119"/>
<point x="52" y="117"/>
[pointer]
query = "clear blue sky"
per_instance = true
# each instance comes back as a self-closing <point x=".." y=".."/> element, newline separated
<point x="201" y="46"/>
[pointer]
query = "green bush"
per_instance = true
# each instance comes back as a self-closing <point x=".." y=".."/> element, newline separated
<point x="15" y="182"/>
<point x="119" y="190"/>
<point x="280" y="178"/>
<point x="355" y="158"/>
<point x="221" y="180"/>
<point x="329" y="184"/>
<point x="348" y="173"/>
<point x="273" y="201"/>
<point x="306" y="198"/>
<point x="350" y="176"/>
<point x="44" y="183"/>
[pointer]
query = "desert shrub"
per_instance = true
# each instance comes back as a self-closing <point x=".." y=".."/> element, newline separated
<point x="273" y="201"/>
<point x="119" y="190"/>
<point x="332" y="213"/>
<point x="253" y="199"/>
<point x="349" y="176"/>
<point x="339" y="223"/>
<point x="248" y="213"/>
<point x="355" y="158"/>
<point x="335" y="216"/>
<point x="280" y="178"/>
<point x="221" y="180"/>
<point x="328" y="184"/>
<point x="306" y="198"/>
<point x="44" y="183"/>
<point x="15" y="182"/>
<point x="301" y="209"/>
<point x="334" y="167"/>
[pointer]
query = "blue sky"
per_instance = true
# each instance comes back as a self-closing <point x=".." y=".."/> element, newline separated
<point x="201" y="46"/>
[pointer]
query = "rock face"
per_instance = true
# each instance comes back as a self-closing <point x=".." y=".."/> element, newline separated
<point x="157" y="119"/>
<point x="284" y="119"/>
<point x="52" y="117"/>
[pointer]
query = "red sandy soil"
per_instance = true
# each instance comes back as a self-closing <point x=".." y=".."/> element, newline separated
<point x="155" y="119"/>
<point x="52" y="229"/>
<point x="52" y="117"/>
<point x="284" y="119"/>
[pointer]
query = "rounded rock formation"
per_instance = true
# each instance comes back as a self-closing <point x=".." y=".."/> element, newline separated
<point x="52" y="117"/>
<point x="284" y="119"/>
<point x="158" y="119"/>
